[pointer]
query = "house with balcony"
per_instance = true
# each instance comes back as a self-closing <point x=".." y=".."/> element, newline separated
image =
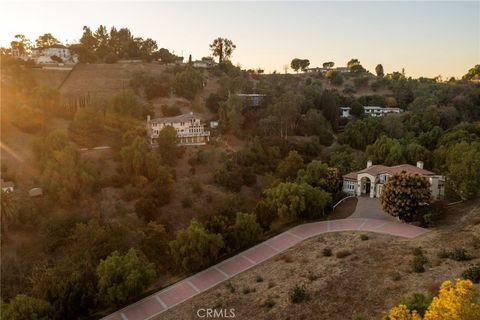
<point x="370" y="181"/>
<point x="371" y="111"/>
<point x="189" y="127"/>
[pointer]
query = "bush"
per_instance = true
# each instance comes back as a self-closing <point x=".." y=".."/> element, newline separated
<point x="170" y="111"/>
<point x="472" y="274"/>
<point x="418" y="302"/>
<point x="418" y="263"/>
<point x="297" y="294"/>
<point x="460" y="254"/>
<point x="327" y="252"/>
<point x="269" y="303"/>
<point x="259" y="278"/>
<point x="364" y="237"/>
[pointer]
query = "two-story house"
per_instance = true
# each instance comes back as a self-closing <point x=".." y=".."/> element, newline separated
<point x="190" y="130"/>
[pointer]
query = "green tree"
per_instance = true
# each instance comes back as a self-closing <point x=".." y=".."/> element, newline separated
<point x="21" y="44"/>
<point x="46" y="40"/>
<point x="222" y="48"/>
<point x="246" y="231"/>
<point x="328" y="64"/>
<point x="330" y="109"/>
<point x="167" y="145"/>
<point x="344" y="158"/>
<point x="23" y="307"/>
<point x="315" y="174"/>
<point x="86" y="127"/>
<point x="294" y="201"/>
<point x="194" y="248"/>
<point x="188" y="83"/>
<point x="356" y="109"/>
<point x="127" y="104"/>
<point x="68" y="177"/>
<point x="285" y="113"/>
<point x="379" y="70"/>
<point x="124" y="277"/>
<point x="296" y="64"/>
<point x="231" y="114"/>
<point x="473" y="73"/>
<point x="134" y="157"/>
<point x="287" y="168"/>
<point x="404" y="194"/>
<point x="463" y="168"/>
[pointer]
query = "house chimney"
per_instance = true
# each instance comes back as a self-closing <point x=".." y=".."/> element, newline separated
<point x="148" y="118"/>
<point x="369" y="163"/>
<point x="420" y="164"/>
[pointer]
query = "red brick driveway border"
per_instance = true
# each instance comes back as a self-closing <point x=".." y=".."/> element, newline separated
<point x="181" y="291"/>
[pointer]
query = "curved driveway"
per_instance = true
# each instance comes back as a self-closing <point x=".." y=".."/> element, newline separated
<point x="181" y="291"/>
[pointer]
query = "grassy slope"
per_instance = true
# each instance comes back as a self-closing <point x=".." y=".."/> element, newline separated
<point x="363" y="283"/>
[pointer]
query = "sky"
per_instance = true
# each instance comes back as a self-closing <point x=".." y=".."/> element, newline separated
<point x="426" y="38"/>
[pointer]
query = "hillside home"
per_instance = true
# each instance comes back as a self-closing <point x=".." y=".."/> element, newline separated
<point x="372" y="111"/>
<point x="252" y="99"/>
<point x="205" y="63"/>
<point x="43" y="55"/>
<point x="190" y="130"/>
<point x="370" y="181"/>
<point x="326" y="69"/>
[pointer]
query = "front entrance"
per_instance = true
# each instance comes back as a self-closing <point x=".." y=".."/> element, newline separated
<point x="367" y="187"/>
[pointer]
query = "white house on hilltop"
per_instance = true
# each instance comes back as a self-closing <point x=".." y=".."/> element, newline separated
<point x="372" y="111"/>
<point x="190" y="129"/>
<point x="370" y="181"/>
<point x="43" y="55"/>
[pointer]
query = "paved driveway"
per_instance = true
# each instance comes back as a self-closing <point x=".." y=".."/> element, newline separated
<point x="169" y="297"/>
<point x="369" y="208"/>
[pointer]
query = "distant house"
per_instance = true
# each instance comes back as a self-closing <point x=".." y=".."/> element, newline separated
<point x="372" y="111"/>
<point x="205" y="63"/>
<point x="252" y="99"/>
<point x="43" y="55"/>
<point x="190" y="130"/>
<point x="7" y="186"/>
<point x="370" y="181"/>
<point x="326" y="69"/>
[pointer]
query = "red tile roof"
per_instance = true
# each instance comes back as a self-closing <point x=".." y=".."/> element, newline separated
<point x="379" y="169"/>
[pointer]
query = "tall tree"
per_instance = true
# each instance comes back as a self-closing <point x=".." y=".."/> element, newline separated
<point x="329" y="64"/>
<point x="222" y="48"/>
<point x="194" y="248"/>
<point x="23" y="307"/>
<point x="123" y="277"/>
<point x="21" y="44"/>
<point x="46" y="40"/>
<point x="286" y="112"/>
<point x="379" y="70"/>
<point x="86" y="127"/>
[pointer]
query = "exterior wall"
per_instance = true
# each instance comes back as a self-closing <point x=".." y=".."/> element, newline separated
<point x="189" y="132"/>
<point x="349" y="186"/>
<point x="437" y="186"/>
<point x="362" y="181"/>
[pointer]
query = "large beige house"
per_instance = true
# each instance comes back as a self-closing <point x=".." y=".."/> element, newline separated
<point x="369" y="181"/>
<point x="190" y="129"/>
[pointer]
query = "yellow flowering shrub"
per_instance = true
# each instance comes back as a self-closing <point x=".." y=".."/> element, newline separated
<point x="401" y="312"/>
<point x="459" y="302"/>
<point x="454" y="302"/>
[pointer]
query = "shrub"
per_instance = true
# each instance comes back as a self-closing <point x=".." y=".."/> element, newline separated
<point x="269" y="303"/>
<point x="297" y="294"/>
<point x="327" y="252"/>
<point x="342" y="254"/>
<point x="259" y="278"/>
<point x="246" y="290"/>
<point x="472" y="274"/>
<point x="271" y="284"/>
<point x="230" y="286"/>
<point x="172" y="111"/>
<point x="418" y="302"/>
<point x="418" y="263"/>
<point x="364" y="237"/>
<point x="460" y="254"/>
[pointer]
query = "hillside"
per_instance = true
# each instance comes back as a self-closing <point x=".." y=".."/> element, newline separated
<point x="104" y="80"/>
<point x="373" y="278"/>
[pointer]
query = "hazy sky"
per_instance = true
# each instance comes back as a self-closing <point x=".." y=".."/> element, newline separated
<point x="425" y="38"/>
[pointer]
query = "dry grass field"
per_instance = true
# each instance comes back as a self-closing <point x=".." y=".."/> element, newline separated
<point x="361" y="277"/>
